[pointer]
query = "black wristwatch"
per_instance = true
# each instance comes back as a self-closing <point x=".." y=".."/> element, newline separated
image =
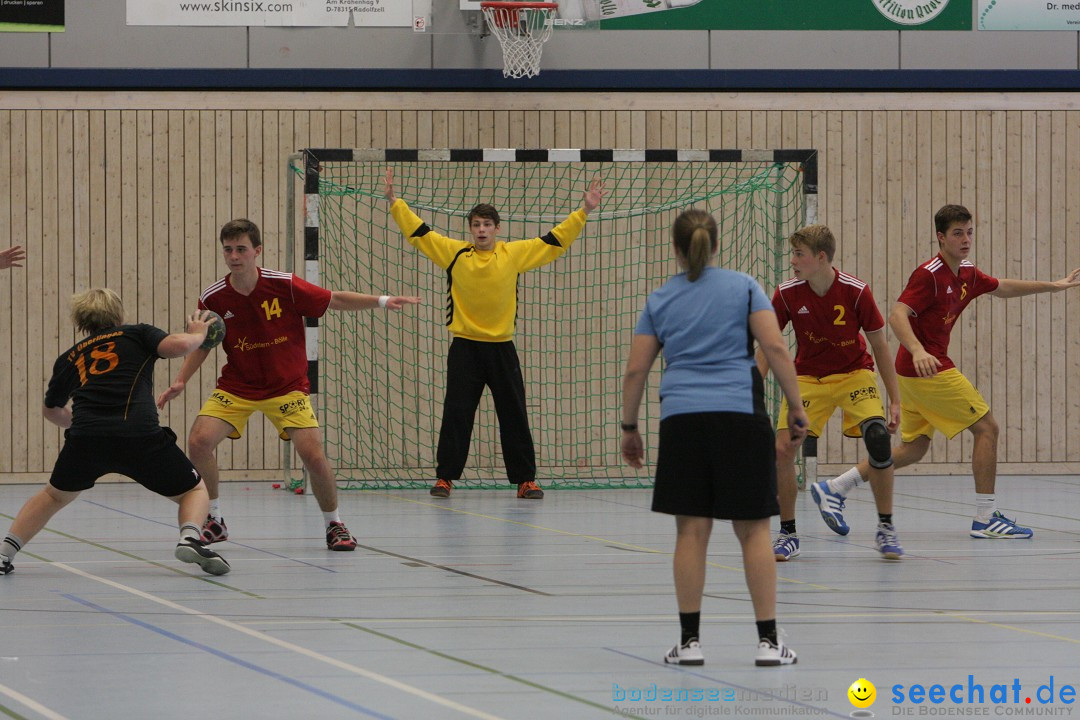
<point x="628" y="427"/>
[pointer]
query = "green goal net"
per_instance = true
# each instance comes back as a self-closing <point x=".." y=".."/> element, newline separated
<point x="381" y="375"/>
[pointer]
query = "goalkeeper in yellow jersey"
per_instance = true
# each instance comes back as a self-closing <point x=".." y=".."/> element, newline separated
<point x="482" y="275"/>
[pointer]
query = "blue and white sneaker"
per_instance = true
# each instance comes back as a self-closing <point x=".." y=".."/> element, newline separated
<point x="786" y="546"/>
<point x="999" y="527"/>
<point x="887" y="542"/>
<point x="831" y="506"/>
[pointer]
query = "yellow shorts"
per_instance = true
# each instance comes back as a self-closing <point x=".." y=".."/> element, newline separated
<point x="286" y="411"/>
<point x="856" y="393"/>
<point x="945" y="402"/>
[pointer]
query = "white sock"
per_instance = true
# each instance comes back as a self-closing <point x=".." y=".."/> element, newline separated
<point x="844" y="483"/>
<point x="215" y="510"/>
<point x="332" y="516"/>
<point x="10" y="546"/>
<point x="985" y="505"/>
<point x="190" y="531"/>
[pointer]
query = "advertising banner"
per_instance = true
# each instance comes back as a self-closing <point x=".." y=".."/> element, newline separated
<point x="782" y="14"/>
<point x="271" y="13"/>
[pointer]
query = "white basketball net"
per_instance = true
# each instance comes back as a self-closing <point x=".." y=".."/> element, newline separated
<point x="522" y="32"/>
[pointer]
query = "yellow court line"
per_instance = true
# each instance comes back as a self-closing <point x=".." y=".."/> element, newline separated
<point x="1075" y="641"/>
<point x="594" y="538"/>
<point x="285" y="645"/>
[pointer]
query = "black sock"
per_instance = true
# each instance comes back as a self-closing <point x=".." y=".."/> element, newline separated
<point x="766" y="629"/>
<point x="691" y="624"/>
<point x="885" y="518"/>
<point x="787" y="526"/>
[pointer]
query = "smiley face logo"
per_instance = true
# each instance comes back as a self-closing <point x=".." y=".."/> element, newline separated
<point x="862" y="693"/>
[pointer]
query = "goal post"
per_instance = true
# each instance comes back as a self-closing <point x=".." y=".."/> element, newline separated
<point x="380" y="376"/>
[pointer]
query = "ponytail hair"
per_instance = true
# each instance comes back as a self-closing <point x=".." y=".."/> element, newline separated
<point x="694" y="233"/>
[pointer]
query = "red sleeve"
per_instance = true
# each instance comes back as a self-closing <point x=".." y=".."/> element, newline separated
<point x="780" y="307"/>
<point x="310" y="300"/>
<point x="985" y="283"/>
<point x="869" y="315"/>
<point x="920" y="291"/>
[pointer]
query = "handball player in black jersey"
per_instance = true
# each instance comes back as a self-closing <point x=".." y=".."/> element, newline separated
<point x="102" y="393"/>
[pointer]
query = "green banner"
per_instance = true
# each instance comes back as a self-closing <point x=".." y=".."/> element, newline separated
<point x="31" y="15"/>
<point x="783" y="14"/>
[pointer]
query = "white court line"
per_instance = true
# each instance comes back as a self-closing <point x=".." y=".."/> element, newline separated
<point x="35" y="706"/>
<point x="396" y="684"/>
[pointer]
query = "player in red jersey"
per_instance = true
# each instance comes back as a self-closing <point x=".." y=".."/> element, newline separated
<point x="266" y="369"/>
<point x="936" y="396"/>
<point x="830" y="311"/>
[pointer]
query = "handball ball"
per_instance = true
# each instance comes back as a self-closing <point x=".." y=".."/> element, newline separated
<point x="215" y="333"/>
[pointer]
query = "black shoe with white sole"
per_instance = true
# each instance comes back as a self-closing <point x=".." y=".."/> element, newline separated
<point x="192" y="550"/>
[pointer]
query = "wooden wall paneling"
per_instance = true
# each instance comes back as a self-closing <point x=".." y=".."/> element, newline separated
<point x="523" y="127"/>
<point x="485" y="128"/>
<point x="682" y="130"/>
<point x="1067" y="236"/>
<point x="577" y="129"/>
<point x="653" y="125"/>
<point x="1053" y="438"/>
<point x="65" y="254"/>
<point x="24" y="375"/>
<point x="546" y="129"/>
<point x="592" y="135"/>
<point x="607" y="128"/>
<point x="332" y="128"/>
<point x="363" y="128"/>
<point x="7" y="293"/>
<point x="91" y="184"/>
<point x="1025" y="335"/>
<point x="638" y="128"/>
<point x="500" y="126"/>
<point x="153" y="268"/>
<point x="48" y="335"/>
<point x="405" y="124"/>
<point x="455" y="131"/>
<point x="1013" y="267"/>
<point x="470" y="128"/>
<point x="743" y="129"/>
<point x="33" y="272"/>
<point x="1038" y="445"/>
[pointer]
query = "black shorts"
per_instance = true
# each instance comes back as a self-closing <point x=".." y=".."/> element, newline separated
<point x="717" y="464"/>
<point x="154" y="461"/>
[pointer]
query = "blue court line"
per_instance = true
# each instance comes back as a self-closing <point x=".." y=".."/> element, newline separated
<point x="231" y="658"/>
<point x="818" y="711"/>
<point x="248" y="547"/>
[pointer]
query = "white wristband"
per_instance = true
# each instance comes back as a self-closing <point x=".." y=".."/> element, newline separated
<point x="383" y="299"/>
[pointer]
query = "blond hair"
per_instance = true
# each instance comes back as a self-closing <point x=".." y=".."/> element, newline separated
<point x="96" y="310"/>
<point x="815" y="238"/>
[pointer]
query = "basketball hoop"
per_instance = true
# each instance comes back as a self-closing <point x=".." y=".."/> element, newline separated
<point x="522" y="29"/>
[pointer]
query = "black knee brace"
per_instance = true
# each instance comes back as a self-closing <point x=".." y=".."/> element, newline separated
<point x="875" y="435"/>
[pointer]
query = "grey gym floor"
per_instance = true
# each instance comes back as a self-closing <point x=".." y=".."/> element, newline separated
<point x="486" y="606"/>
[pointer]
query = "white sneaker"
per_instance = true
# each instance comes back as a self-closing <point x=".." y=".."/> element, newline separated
<point x="770" y="653"/>
<point x="688" y="654"/>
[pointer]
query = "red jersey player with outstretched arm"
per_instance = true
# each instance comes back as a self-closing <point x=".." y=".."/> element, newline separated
<point x="266" y="370"/>
<point x="936" y="395"/>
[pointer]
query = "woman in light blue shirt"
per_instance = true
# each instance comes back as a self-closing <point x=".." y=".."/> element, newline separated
<point x="716" y="455"/>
